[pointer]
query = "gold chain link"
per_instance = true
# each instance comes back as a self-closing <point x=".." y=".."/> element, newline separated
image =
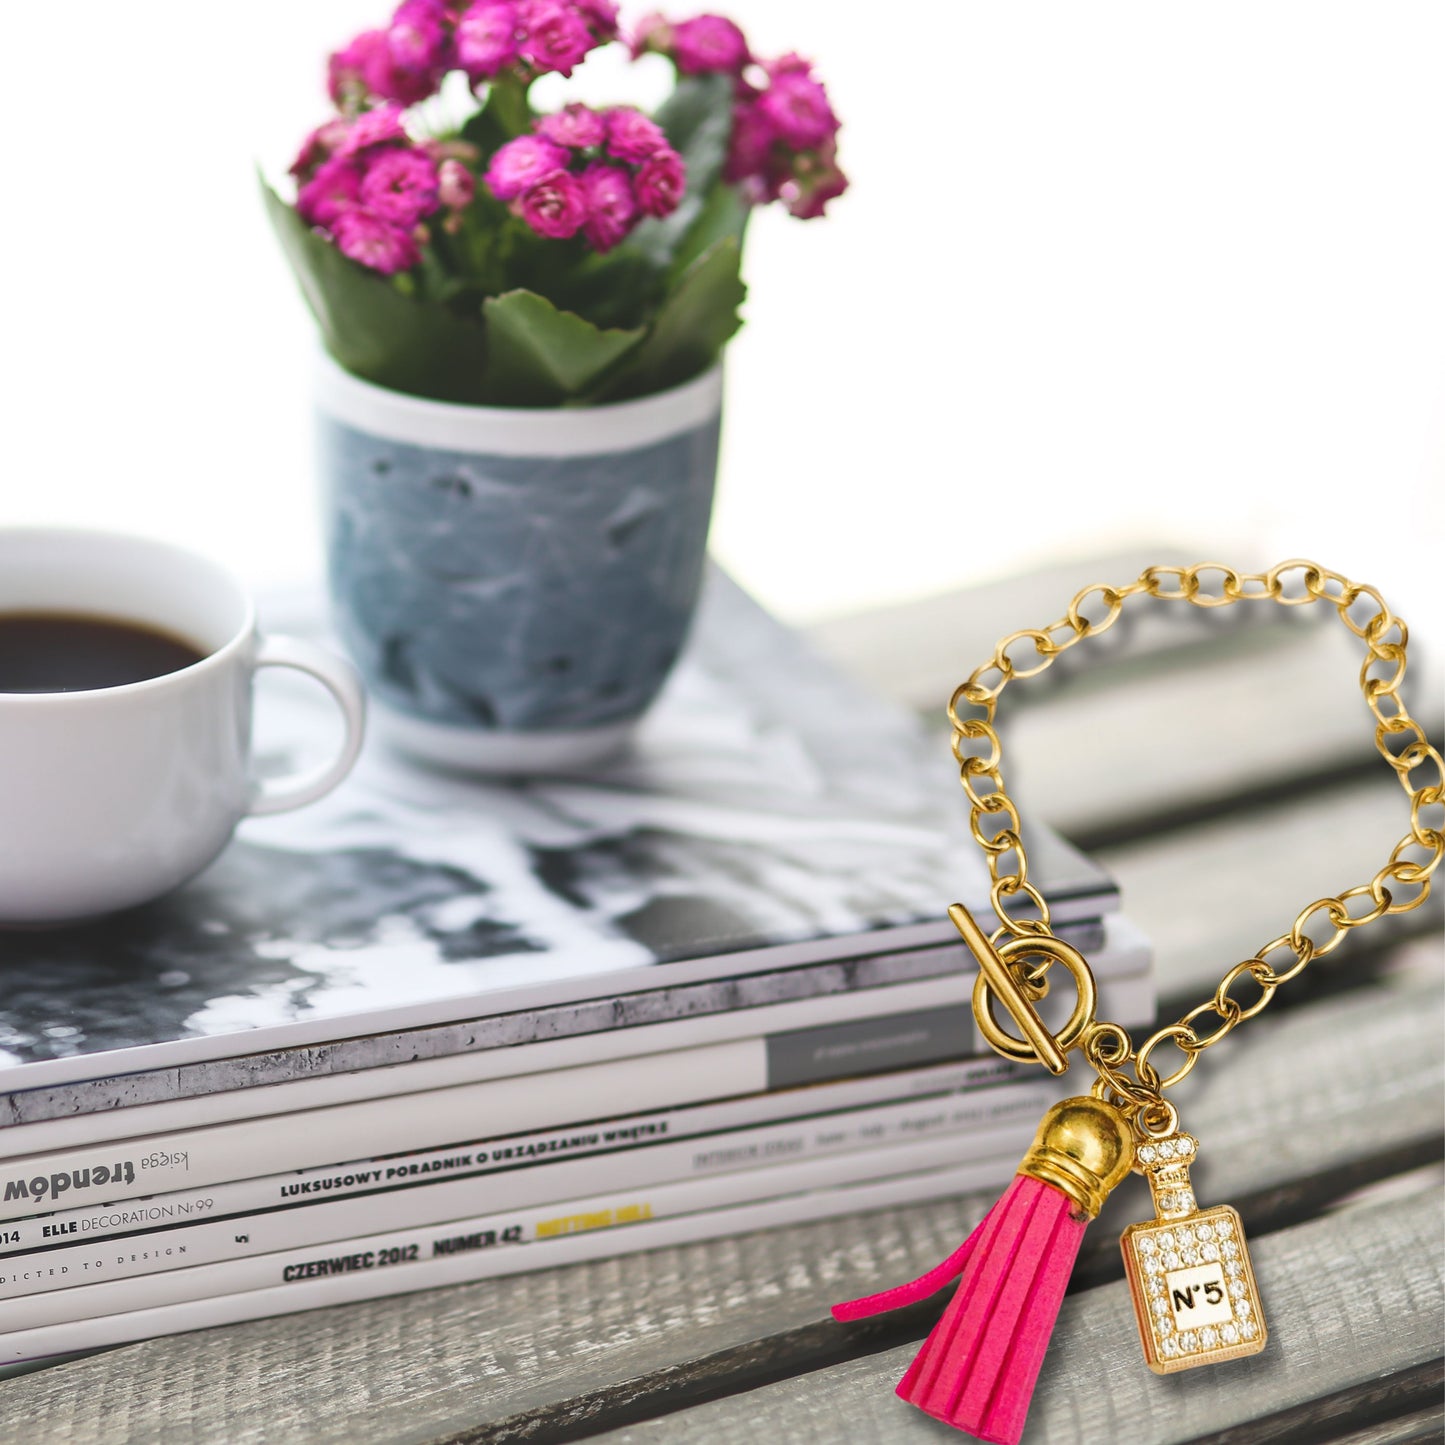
<point x="1402" y="884"/>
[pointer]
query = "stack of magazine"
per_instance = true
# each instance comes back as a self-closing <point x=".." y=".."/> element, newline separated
<point x="435" y="1030"/>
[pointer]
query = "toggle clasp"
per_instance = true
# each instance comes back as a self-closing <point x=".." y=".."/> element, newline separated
<point x="996" y="981"/>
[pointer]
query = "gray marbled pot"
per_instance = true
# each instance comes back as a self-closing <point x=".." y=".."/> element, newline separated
<point x="514" y="585"/>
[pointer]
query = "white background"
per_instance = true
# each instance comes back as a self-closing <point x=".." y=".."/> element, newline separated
<point x="1109" y="273"/>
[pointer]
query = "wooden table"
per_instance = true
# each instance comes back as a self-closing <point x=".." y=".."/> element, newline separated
<point x="1224" y="772"/>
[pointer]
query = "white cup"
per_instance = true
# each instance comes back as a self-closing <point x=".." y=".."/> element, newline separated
<point x="114" y="796"/>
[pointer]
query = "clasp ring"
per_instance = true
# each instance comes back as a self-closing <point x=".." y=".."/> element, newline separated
<point x="996" y="981"/>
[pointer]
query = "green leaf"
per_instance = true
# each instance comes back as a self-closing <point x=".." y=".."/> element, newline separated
<point x="619" y="289"/>
<point x="540" y="356"/>
<point x="698" y="120"/>
<point x="692" y="327"/>
<point x="479" y="255"/>
<point x="722" y="215"/>
<point x="505" y="114"/>
<point x="373" y="328"/>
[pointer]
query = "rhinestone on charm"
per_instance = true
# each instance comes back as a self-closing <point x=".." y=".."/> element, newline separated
<point x="1188" y="1269"/>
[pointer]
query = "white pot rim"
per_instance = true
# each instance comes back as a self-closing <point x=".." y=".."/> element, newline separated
<point x="515" y="431"/>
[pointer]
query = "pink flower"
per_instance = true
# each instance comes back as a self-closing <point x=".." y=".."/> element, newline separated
<point x="790" y="64"/>
<point x="612" y="207"/>
<point x="708" y="44"/>
<point x="455" y="185"/>
<point x="521" y="163"/>
<point x="556" y="206"/>
<point x="400" y="186"/>
<point x="400" y="85"/>
<point x="601" y="15"/>
<point x="661" y="182"/>
<point x="375" y="243"/>
<point x="806" y="196"/>
<point x="376" y="127"/>
<point x="365" y="68"/>
<point x="557" y="37"/>
<point x="797" y="107"/>
<point x="577" y="126"/>
<point x="631" y="136"/>
<point x="332" y="191"/>
<point x="652" y="32"/>
<point x="347" y="69"/>
<point x="486" y="39"/>
<point x="417" y="40"/>
<point x="750" y="147"/>
<point x="318" y="145"/>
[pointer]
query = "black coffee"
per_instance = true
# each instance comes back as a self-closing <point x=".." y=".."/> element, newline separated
<point x="71" y="652"/>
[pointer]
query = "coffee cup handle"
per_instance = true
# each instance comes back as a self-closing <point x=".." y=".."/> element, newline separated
<point x="280" y="795"/>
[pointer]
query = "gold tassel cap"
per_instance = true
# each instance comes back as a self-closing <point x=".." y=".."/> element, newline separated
<point x="1084" y="1147"/>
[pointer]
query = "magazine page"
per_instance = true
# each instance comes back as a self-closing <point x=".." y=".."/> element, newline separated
<point x="770" y="812"/>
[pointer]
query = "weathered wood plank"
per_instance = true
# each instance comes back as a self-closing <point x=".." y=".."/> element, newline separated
<point x="1175" y="714"/>
<point x="414" y="1368"/>
<point x="1148" y="745"/>
<point x="1195" y="720"/>
<point x="1393" y="1410"/>
<point x="916" y="652"/>
<point x="1424" y="1427"/>
<point x="808" y="1348"/>
<point x="1349" y="1299"/>
<point x="1216" y="892"/>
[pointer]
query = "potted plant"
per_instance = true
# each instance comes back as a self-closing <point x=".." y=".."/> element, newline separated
<point x="523" y="316"/>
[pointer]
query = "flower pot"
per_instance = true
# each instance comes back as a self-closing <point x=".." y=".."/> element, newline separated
<point x="514" y="584"/>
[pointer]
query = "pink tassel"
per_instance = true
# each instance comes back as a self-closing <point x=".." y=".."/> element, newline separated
<point x="978" y="1368"/>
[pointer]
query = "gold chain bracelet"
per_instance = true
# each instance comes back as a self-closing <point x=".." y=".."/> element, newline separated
<point x="1196" y="1300"/>
<point x="1401" y="884"/>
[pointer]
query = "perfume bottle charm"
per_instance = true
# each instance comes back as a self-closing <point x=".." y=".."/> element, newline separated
<point x="1188" y="1269"/>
